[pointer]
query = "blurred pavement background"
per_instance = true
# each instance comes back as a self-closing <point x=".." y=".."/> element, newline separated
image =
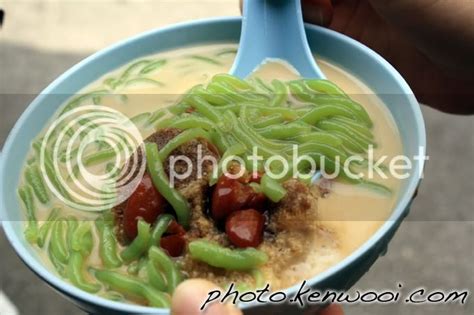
<point x="434" y="248"/>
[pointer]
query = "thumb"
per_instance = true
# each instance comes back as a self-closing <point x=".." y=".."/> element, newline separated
<point x="190" y="295"/>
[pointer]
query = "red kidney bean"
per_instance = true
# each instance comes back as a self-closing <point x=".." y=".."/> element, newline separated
<point x="228" y="196"/>
<point x="173" y="244"/>
<point x="245" y="228"/>
<point x="145" y="202"/>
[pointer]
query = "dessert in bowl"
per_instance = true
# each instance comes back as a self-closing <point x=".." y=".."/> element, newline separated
<point x="170" y="89"/>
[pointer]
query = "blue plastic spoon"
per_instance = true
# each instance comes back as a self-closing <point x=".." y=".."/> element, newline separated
<point x="274" y="29"/>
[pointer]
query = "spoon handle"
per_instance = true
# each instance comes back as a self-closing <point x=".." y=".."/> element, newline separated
<point x="274" y="29"/>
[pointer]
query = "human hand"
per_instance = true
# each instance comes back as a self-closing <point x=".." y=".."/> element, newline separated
<point x="190" y="295"/>
<point x="430" y="42"/>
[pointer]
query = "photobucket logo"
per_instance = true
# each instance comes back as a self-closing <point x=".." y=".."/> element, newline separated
<point x="303" y="166"/>
<point x="75" y="149"/>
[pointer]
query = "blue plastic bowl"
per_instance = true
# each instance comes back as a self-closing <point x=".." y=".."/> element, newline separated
<point x="339" y="49"/>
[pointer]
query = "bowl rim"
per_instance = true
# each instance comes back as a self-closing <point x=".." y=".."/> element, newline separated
<point x="73" y="292"/>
